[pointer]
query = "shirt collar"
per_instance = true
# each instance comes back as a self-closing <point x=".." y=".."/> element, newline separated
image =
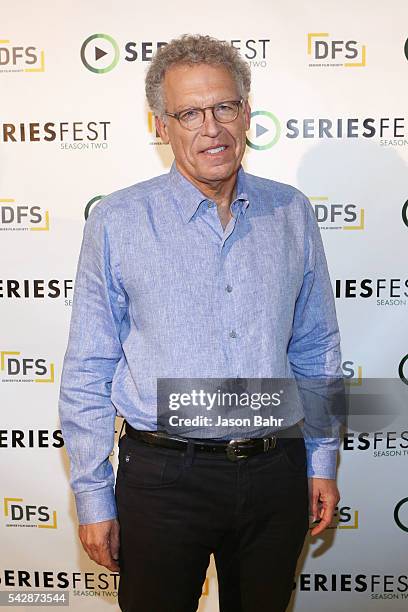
<point x="189" y="197"/>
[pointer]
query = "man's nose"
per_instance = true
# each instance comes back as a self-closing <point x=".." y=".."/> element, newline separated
<point x="210" y="127"/>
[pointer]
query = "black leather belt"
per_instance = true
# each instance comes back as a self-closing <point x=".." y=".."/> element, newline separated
<point x="238" y="448"/>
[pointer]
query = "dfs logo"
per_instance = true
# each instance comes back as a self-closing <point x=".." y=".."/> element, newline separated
<point x="345" y="518"/>
<point x="331" y="215"/>
<point x="20" y="58"/>
<point x="22" y="217"/>
<point x="323" y="50"/>
<point x="14" y="368"/>
<point x="28" y="515"/>
<point x="353" y="374"/>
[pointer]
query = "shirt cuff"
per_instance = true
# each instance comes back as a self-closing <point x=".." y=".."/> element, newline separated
<point x="96" y="506"/>
<point x="321" y="462"/>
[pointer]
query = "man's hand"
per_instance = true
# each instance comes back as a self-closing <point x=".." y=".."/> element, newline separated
<point x="323" y="499"/>
<point x="101" y="542"/>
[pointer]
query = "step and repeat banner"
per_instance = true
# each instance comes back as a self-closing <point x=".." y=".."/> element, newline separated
<point x="329" y="115"/>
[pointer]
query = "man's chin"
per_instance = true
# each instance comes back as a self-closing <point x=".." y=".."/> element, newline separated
<point x="220" y="172"/>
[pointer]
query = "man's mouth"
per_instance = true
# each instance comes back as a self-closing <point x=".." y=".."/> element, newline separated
<point x="215" y="150"/>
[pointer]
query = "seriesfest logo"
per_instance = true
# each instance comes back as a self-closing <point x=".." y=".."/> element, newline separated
<point x="82" y="584"/>
<point x="31" y="438"/>
<point x="15" y="368"/>
<point x="100" y="53"/>
<point x="324" y="50"/>
<point x="267" y="129"/>
<point x="85" y="584"/>
<point x="380" y="443"/>
<point x="70" y="135"/>
<point x="17" y="513"/>
<point x="377" y="586"/>
<point x="35" y="438"/>
<point x="385" y="291"/>
<point x="37" y="288"/>
<point x="16" y="216"/>
<point x="20" y="58"/>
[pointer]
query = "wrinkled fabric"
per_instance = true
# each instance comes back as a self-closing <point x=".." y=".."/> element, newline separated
<point x="162" y="290"/>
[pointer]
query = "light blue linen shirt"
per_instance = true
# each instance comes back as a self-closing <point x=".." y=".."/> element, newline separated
<point x="162" y="290"/>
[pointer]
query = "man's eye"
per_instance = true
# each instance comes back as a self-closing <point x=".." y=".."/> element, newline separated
<point x="226" y="107"/>
<point x="189" y="115"/>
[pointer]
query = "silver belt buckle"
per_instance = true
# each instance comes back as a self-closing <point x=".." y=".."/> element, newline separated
<point x="233" y="451"/>
<point x="269" y="443"/>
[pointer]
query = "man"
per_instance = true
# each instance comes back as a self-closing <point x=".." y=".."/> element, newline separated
<point x="205" y="272"/>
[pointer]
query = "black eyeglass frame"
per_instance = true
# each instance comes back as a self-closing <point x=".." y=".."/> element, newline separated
<point x="202" y="111"/>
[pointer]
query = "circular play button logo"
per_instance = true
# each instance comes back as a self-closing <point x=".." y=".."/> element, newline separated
<point x="100" y="53"/>
<point x="403" y="369"/>
<point x="265" y="130"/>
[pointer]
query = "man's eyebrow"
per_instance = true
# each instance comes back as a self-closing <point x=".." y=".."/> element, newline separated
<point x="184" y="108"/>
<point x="180" y="110"/>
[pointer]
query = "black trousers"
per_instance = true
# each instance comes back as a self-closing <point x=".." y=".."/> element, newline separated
<point x="176" y="508"/>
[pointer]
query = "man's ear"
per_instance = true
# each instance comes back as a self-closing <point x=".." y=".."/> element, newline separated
<point x="247" y="115"/>
<point x="161" y="129"/>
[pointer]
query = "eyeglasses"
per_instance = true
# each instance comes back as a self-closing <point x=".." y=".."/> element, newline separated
<point x="193" y="118"/>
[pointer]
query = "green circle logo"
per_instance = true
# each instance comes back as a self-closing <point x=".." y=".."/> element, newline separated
<point x="397" y="518"/>
<point x="100" y="53"/>
<point x="90" y="204"/>
<point x="266" y="131"/>
<point x="405" y="213"/>
<point x="401" y="370"/>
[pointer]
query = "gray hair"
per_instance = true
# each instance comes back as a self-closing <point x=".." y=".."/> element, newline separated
<point x="194" y="49"/>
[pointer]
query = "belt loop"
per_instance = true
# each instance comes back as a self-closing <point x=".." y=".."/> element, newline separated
<point x="189" y="455"/>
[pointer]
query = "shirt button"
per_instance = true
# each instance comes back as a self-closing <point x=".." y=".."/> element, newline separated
<point x="233" y="334"/>
<point x="210" y="204"/>
<point x="228" y="288"/>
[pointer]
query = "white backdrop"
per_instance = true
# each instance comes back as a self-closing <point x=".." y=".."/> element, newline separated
<point x="329" y="100"/>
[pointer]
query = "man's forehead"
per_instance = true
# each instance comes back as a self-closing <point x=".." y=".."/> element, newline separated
<point x="198" y="83"/>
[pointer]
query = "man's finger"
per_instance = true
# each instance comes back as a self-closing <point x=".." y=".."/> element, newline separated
<point x="326" y="516"/>
<point x="114" y="544"/>
<point x="101" y="554"/>
<point x="324" y="523"/>
<point x="101" y="542"/>
<point x="314" y="499"/>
